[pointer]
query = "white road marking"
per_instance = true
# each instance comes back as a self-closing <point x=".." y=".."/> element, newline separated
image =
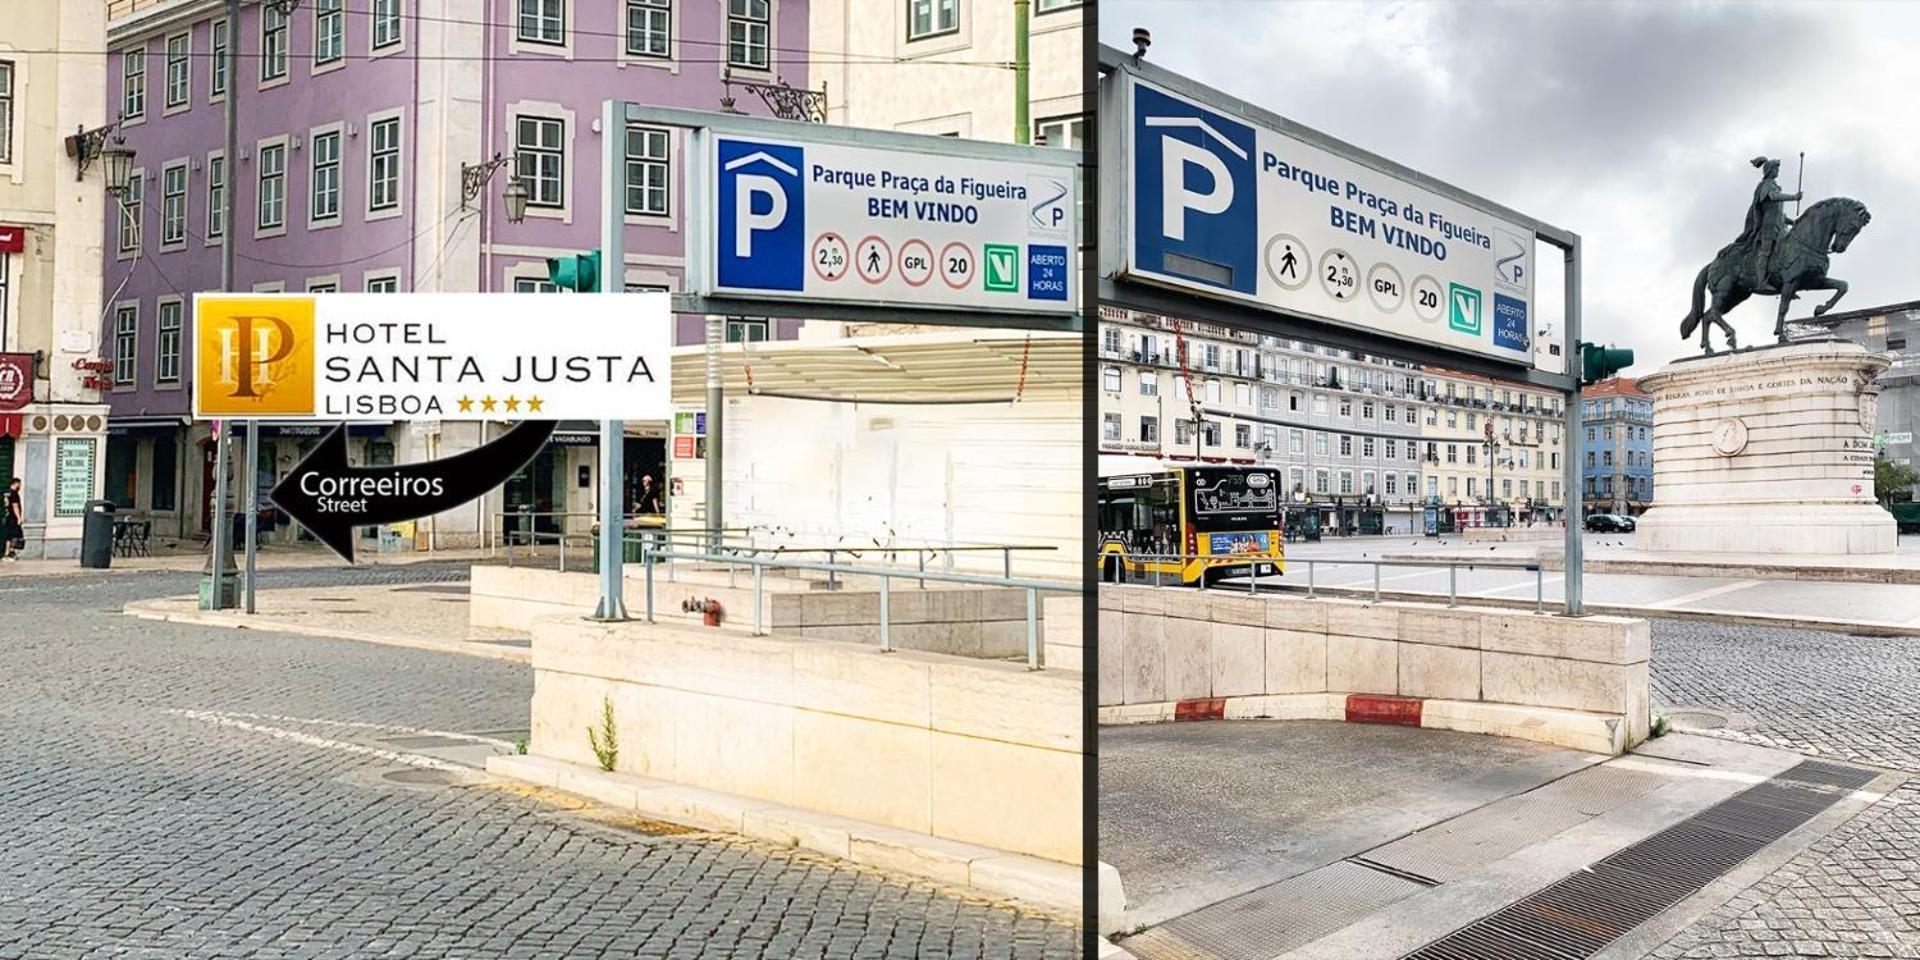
<point x="363" y="725"/>
<point x="328" y="743"/>
<point x="1702" y="594"/>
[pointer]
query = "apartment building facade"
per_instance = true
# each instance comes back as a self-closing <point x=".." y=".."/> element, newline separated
<point x="1491" y="449"/>
<point x="1893" y="329"/>
<point x="52" y="417"/>
<point x="376" y="139"/>
<point x="1616" y="468"/>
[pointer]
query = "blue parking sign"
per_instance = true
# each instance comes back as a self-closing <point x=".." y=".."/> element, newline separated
<point x="1046" y="272"/>
<point x="1510" y="322"/>
<point x="762" y="217"/>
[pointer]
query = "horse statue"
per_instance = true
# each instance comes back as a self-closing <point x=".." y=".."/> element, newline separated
<point x="1763" y="262"/>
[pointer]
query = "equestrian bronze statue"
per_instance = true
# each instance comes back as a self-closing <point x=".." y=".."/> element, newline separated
<point x="1774" y="256"/>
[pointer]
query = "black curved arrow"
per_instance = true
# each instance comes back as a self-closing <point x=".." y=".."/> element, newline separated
<point x="330" y="497"/>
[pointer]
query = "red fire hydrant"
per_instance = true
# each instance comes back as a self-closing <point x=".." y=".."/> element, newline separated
<point x="709" y="609"/>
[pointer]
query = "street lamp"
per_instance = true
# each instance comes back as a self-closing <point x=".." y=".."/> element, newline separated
<point x="474" y="178"/>
<point x="117" y="164"/>
<point x="86" y="146"/>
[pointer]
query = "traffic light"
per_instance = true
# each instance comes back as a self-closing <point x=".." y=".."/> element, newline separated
<point x="1598" y="363"/>
<point x="579" y="272"/>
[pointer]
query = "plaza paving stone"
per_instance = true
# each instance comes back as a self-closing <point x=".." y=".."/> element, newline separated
<point x="132" y="826"/>
<point x="1856" y="891"/>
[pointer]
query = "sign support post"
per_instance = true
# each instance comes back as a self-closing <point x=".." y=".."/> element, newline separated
<point x="250" y="489"/>
<point x="1572" y="586"/>
<point x="613" y="435"/>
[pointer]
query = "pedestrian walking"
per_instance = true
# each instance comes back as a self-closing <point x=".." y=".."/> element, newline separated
<point x="13" y="532"/>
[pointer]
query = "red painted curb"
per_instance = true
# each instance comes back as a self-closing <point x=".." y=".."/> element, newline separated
<point x="1214" y="709"/>
<point x="1399" y="711"/>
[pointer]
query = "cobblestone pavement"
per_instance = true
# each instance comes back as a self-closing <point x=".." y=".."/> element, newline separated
<point x="1856" y="892"/>
<point x="138" y="819"/>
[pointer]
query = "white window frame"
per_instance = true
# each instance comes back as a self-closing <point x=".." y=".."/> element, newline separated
<point x="260" y="151"/>
<point x="269" y="63"/>
<point x="160" y="355"/>
<point x="654" y="11"/>
<point x="132" y="220"/>
<point x="217" y="78"/>
<point x="381" y="14"/>
<point x="9" y="114"/>
<point x="936" y="26"/>
<point x="394" y="207"/>
<point x="338" y="14"/>
<point x="749" y="22"/>
<point x="388" y="279"/>
<point x="337" y="133"/>
<point x="1044" y="131"/>
<point x="562" y="47"/>
<point x="133" y="85"/>
<point x="330" y="283"/>
<point x="664" y="163"/>
<point x="172" y="220"/>
<point x="549" y="112"/>
<point x="216" y="231"/>
<point x="183" y="74"/>
<point x="126" y="343"/>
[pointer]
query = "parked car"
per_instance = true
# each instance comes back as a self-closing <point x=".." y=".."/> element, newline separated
<point x="1609" y="523"/>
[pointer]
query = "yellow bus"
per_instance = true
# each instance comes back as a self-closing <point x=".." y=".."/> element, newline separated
<point x="1190" y="524"/>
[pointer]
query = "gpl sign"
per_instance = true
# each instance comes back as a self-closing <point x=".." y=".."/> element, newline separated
<point x="1247" y="212"/>
<point x="927" y="224"/>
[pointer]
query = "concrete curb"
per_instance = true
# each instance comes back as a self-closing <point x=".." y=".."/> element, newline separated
<point x="1866" y="628"/>
<point x="1044" y="884"/>
<point x="1822" y="573"/>
<point x="1577" y="730"/>
<point x="149" y="610"/>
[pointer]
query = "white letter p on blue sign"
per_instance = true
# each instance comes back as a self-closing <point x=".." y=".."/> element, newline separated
<point x="752" y="186"/>
<point x="1177" y="199"/>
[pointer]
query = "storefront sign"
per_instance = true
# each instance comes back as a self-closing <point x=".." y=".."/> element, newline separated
<point x="72" y="475"/>
<point x="13" y="239"/>
<point x="431" y="356"/>
<point x="16" y="380"/>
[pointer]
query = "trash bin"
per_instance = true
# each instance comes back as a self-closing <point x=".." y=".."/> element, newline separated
<point x="96" y="535"/>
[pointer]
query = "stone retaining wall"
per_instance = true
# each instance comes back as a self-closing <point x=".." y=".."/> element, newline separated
<point x="1579" y="682"/>
<point x="945" y="746"/>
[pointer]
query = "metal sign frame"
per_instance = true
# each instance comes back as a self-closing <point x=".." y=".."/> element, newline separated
<point x="699" y="189"/>
<point x="1143" y="294"/>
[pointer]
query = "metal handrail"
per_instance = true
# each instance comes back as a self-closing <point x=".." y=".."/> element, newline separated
<point x="759" y="565"/>
<point x="1452" y="567"/>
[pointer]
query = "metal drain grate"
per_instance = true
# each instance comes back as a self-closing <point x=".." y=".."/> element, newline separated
<point x="1579" y="915"/>
<point x="1276" y="918"/>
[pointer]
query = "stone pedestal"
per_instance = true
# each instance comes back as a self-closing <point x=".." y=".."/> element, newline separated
<point x="1766" y="451"/>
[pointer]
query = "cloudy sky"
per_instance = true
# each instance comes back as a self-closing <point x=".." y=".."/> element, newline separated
<point x="1630" y="124"/>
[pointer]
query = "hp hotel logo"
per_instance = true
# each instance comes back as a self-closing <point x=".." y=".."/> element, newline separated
<point x="1198" y="216"/>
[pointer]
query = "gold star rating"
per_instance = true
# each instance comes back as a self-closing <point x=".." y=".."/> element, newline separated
<point x="533" y="404"/>
<point x="486" y="403"/>
<point x="513" y="404"/>
<point x="466" y="404"/>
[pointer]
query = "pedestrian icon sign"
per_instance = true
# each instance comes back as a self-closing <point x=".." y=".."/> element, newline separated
<point x="1463" y="311"/>
<point x="1003" y="267"/>
<point x="874" y="259"/>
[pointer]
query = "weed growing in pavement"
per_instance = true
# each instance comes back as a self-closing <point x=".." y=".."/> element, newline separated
<point x="1661" y="723"/>
<point x="605" y="741"/>
<point x="520" y="747"/>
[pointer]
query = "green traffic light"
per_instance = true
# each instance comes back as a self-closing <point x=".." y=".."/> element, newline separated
<point x="1597" y="363"/>
<point x="578" y="272"/>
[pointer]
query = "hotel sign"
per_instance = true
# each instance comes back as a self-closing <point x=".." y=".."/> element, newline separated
<point x="432" y="356"/>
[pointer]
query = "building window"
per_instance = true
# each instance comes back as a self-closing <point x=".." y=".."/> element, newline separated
<point x="1149" y="383"/>
<point x="1296" y="442"/>
<point x="216" y="197"/>
<point x="130" y="212"/>
<point x="748" y="25"/>
<point x="173" y="204"/>
<point x="1366" y="446"/>
<point x="533" y="285"/>
<point x="273" y="43"/>
<point x="166" y="466"/>
<point x="273" y="187"/>
<point x="1242" y="436"/>
<point x="6" y="111"/>
<point x="1048" y="6"/>
<point x="1110" y="427"/>
<point x="1319" y="444"/>
<point x="133" y="84"/>
<point x="179" y="76"/>
<point x="1150" y="429"/>
<point x="1346" y="445"/>
<point x="166" y="366"/>
<point x="217" y="69"/>
<point x="746" y="331"/>
<point x="1392" y="485"/>
<point x="324" y="185"/>
<point x="126" y="341"/>
<point x="542" y="160"/>
<point x="329" y="31"/>
<point x="383" y="164"/>
<point x="386" y="23"/>
<point x="649" y="28"/>
<point x="543" y="21"/>
<point x="647" y="171"/>
<point x="1110" y="379"/>
<point x="1320" y="481"/>
<point x="383" y="284"/>
<point x="1067" y="133"/>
